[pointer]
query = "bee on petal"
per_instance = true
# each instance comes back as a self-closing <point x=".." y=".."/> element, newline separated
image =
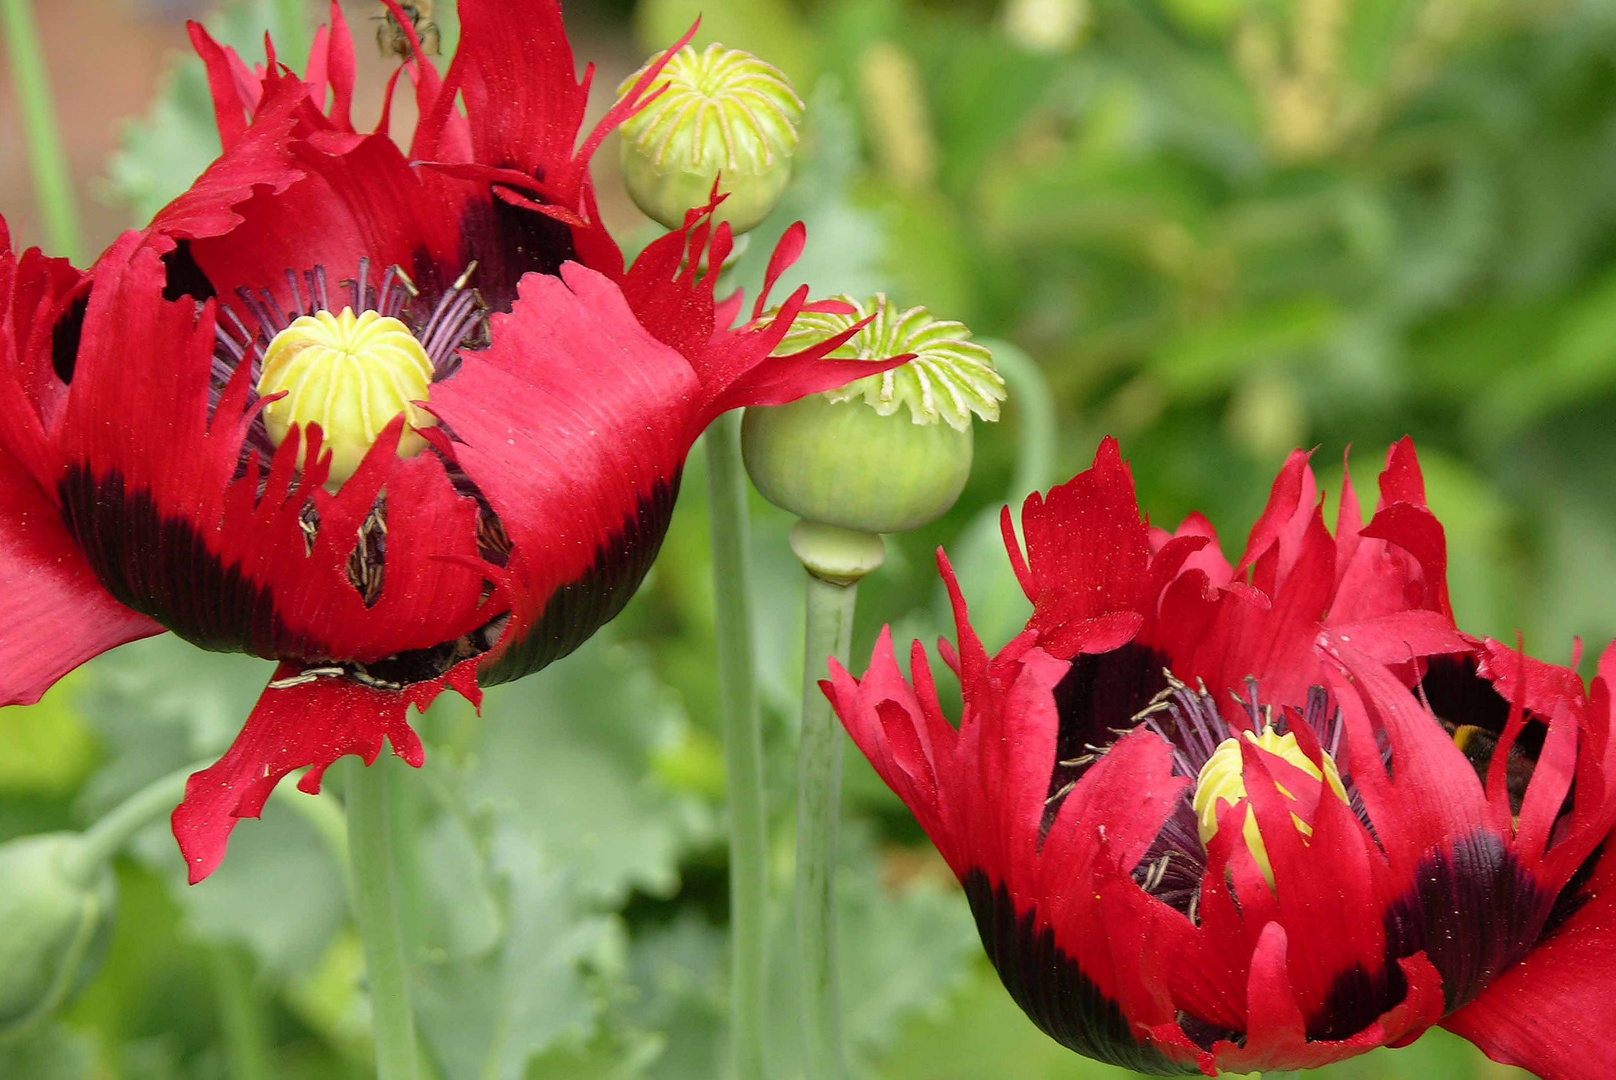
<point x="393" y="41"/>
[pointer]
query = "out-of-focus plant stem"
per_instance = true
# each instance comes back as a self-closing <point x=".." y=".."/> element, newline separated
<point x="381" y="926"/>
<point x="106" y="837"/>
<point x="53" y="186"/>
<point x="743" y="744"/>
<point x="241" y="1016"/>
<point x="830" y="608"/>
<point x="1036" y="431"/>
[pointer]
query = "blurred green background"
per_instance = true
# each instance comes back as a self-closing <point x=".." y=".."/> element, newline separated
<point x="1218" y="229"/>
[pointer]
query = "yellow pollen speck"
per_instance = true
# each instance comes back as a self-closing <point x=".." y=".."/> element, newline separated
<point x="351" y="374"/>
<point x="1220" y="781"/>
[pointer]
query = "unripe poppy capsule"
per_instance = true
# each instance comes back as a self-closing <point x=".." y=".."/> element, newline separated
<point x="885" y="454"/>
<point x="55" y="917"/>
<point x="725" y="115"/>
<point x="351" y="375"/>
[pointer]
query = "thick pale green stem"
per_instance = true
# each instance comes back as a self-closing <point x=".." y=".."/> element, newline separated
<point x="241" y="1016"/>
<point x="381" y="927"/>
<point x="819" y="798"/>
<point x="1037" y="432"/>
<point x="53" y="186"/>
<point x="106" y="837"/>
<point x="743" y="745"/>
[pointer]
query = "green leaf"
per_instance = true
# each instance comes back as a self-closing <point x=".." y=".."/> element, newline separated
<point x="902" y="950"/>
<point x="162" y="704"/>
<point x="485" y="1019"/>
<point x="279" y="891"/>
<point x="566" y="760"/>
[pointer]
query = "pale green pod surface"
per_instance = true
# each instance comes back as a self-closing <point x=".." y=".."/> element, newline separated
<point x="844" y="464"/>
<point x="53" y="925"/>
<point x="725" y="115"/>
<point x="884" y="454"/>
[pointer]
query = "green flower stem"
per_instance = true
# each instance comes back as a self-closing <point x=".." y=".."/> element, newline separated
<point x="53" y="185"/>
<point x="1036" y="431"/>
<point x="743" y="745"/>
<point x="103" y="840"/>
<point x="241" y="1016"/>
<point x="370" y="843"/>
<point x="830" y="606"/>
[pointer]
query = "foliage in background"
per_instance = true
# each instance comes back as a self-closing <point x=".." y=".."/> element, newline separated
<point x="1223" y="228"/>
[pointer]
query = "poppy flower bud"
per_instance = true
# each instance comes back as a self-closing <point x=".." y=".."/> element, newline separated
<point x="54" y="922"/>
<point x="725" y="115"/>
<point x="350" y="374"/>
<point x="886" y="453"/>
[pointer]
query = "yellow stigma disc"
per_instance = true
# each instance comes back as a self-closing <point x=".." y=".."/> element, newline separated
<point x="351" y="374"/>
<point x="1221" y="781"/>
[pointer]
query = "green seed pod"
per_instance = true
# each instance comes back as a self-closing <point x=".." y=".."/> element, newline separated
<point x="55" y="918"/>
<point x="725" y="116"/>
<point x="887" y="453"/>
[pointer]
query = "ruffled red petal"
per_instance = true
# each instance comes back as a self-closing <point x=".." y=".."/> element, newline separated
<point x="1277" y="1037"/>
<point x="54" y="614"/>
<point x="1398" y="562"/>
<point x="515" y="71"/>
<point x="981" y="793"/>
<point x="1087" y="562"/>
<point x="357" y="198"/>
<point x="574" y="425"/>
<point x="302" y="720"/>
<point x="736" y="367"/>
<point x="1553" y="1013"/>
<point x="1434" y="886"/>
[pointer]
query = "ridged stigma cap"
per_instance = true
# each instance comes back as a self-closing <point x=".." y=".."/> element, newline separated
<point x="887" y="453"/>
<point x="724" y="115"/>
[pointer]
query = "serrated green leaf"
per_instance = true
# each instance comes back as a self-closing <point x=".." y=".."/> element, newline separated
<point x="486" y="1019"/>
<point x="566" y="760"/>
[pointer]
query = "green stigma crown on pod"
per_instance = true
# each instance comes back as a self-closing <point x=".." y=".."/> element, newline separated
<point x="724" y="115"/>
<point x="887" y="453"/>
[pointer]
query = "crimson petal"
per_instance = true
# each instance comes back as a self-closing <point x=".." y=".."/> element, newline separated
<point x="149" y="491"/>
<point x="574" y="425"/>
<point x="302" y="719"/>
<point x="1553" y="1013"/>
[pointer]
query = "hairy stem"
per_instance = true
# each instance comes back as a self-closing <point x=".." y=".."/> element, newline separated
<point x="819" y="789"/>
<point x="242" y="1015"/>
<point x="381" y="927"/>
<point x="106" y="837"/>
<point x="53" y="185"/>
<point x="1036" y="432"/>
<point x="743" y="745"/>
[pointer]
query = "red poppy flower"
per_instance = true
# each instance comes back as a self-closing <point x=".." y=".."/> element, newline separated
<point x="489" y="491"/>
<point x="1267" y="816"/>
